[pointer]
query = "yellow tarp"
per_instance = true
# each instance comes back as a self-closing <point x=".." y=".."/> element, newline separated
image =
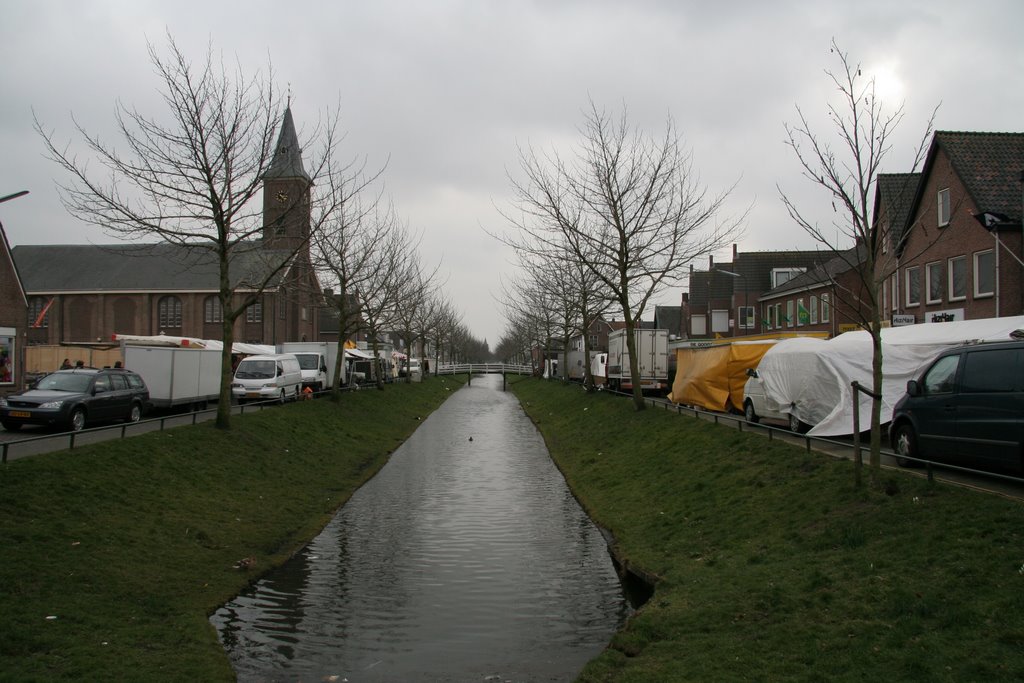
<point x="713" y="378"/>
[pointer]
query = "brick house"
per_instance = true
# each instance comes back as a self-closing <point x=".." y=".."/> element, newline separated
<point x="723" y="300"/>
<point x="960" y="255"/>
<point x="87" y="293"/>
<point x="13" y="314"/>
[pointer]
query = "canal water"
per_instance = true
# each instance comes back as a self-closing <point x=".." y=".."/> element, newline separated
<point x="466" y="558"/>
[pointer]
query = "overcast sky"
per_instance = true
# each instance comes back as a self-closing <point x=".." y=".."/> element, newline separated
<point x="447" y="90"/>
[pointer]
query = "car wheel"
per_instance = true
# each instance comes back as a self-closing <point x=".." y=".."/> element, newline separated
<point x="12" y="426"/>
<point x="795" y="425"/>
<point x="904" y="442"/>
<point x="77" y="420"/>
<point x="749" y="413"/>
<point x="135" y="414"/>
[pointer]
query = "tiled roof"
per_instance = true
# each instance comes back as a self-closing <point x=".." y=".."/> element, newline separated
<point x="895" y="192"/>
<point x="820" y="274"/>
<point x="989" y="165"/>
<point x="138" y="267"/>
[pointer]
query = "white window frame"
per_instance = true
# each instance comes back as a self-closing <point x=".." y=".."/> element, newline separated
<point x="813" y="302"/>
<point x="745" y="322"/>
<point x="799" y="305"/>
<point x="790" y="272"/>
<point x="929" y="269"/>
<point x="791" y="319"/>
<point x="950" y="263"/>
<point x="942" y="207"/>
<point x="698" y="325"/>
<point x="717" y="316"/>
<point x="894" y="281"/>
<point x="826" y="308"/>
<point x="978" y="294"/>
<point x="913" y="273"/>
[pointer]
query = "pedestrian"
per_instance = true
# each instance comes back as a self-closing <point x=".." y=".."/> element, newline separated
<point x="66" y="365"/>
<point x="117" y="364"/>
<point x="307" y="394"/>
<point x="79" y="364"/>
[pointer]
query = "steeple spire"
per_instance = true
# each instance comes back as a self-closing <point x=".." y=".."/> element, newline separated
<point x="287" y="162"/>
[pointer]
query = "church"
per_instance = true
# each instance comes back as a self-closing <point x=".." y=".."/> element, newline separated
<point x="82" y="294"/>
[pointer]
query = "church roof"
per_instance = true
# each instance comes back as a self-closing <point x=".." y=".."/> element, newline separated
<point x="53" y="269"/>
<point x="287" y="161"/>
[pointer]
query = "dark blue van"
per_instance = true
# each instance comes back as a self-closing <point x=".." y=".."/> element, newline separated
<point x="967" y="408"/>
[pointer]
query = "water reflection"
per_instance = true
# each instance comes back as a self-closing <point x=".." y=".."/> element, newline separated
<point x="465" y="558"/>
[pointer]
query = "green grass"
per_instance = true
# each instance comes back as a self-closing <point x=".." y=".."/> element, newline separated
<point x="771" y="566"/>
<point x="113" y="556"/>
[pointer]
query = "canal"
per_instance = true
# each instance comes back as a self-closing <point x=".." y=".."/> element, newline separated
<point x="466" y="558"/>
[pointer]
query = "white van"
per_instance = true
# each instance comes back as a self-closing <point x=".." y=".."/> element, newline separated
<point x="261" y="378"/>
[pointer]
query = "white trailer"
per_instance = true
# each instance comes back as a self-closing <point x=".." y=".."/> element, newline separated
<point x="176" y="376"/>
<point x="652" y="357"/>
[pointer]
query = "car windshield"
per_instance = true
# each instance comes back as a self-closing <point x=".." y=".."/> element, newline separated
<point x="308" y="361"/>
<point x="256" y="369"/>
<point x="60" y="381"/>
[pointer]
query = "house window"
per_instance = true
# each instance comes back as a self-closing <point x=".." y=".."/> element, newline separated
<point x="826" y="308"/>
<point x="802" y="316"/>
<point x="885" y="295"/>
<point x="168" y="311"/>
<point x="984" y="273"/>
<point x="781" y="276"/>
<point x="7" y="356"/>
<point x="943" y="207"/>
<point x="38" y="312"/>
<point x="790" y="320"/>
<point x="913" y="286"/>
<point x="698" y="325"/>
<point x="719" y="321"/>
<point x="254" y="313"/>
<point x="746" y="317"/>
<point x="958" y="278"/>
<point x="768" y="314"/>
<point x="778" y="316"/>
<point x="933" y="282"/>
<point x="814" y="310"/>
<point x="212" y="312"/>
<point x="894" y="279"/>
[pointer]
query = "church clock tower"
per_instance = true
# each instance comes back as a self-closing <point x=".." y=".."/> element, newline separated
<point x="286" y="192"/>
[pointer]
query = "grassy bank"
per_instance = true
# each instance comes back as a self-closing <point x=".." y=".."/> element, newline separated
<point x="772" y="566"/>
<point x="113" y="556"/>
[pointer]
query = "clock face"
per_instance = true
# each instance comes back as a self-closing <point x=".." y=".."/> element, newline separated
<point x="282" y="197"/>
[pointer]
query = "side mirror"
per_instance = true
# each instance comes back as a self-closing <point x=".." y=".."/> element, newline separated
<point x="751" y="372"/>
<point x="913" y="388"/>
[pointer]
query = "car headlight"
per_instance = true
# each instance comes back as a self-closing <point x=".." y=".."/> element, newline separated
<point x="51" y="405"/>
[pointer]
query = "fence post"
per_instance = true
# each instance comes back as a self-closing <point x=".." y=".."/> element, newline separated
<point x="858" y="457"/>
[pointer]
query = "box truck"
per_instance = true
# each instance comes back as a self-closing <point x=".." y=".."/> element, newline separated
<point x="652" y="357"/>
<point x="317" y="362"/>
<point x="176" y="376"/>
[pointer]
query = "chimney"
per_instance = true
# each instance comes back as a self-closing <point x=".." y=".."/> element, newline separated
<point x="734" y="252"/>
<point x="711" y="261"/>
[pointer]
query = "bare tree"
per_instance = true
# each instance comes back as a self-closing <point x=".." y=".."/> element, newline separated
<point x="381" y="293"/>
<point x="628" y="207"/>
<point x="352" y="256"/>
<point x="194" y="179"/>
<point x="414" y="296"/>
<point x="862" y="127"/>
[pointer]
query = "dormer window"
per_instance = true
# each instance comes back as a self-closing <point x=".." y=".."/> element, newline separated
<point x="781" y="276"/>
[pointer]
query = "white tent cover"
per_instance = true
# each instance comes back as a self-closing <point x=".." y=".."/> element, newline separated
<point x="814" y="376"/>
